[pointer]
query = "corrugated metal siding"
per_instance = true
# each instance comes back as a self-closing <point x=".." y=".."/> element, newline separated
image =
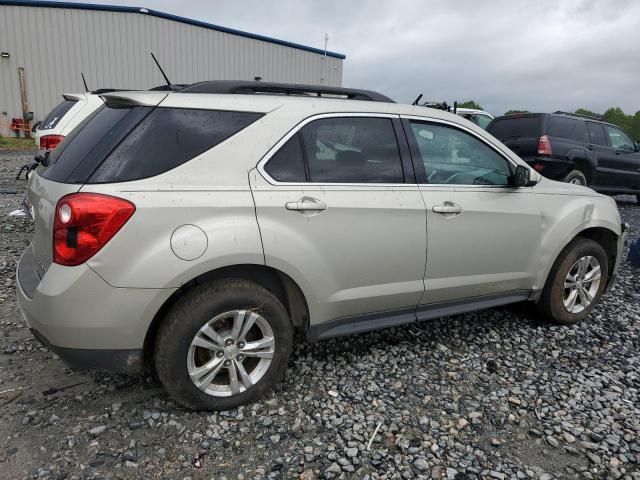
<point x="112" y="49"/>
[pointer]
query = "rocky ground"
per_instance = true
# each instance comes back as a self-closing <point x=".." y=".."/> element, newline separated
<point x="495" y="394"/>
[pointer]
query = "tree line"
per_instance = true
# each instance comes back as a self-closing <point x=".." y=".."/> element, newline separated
<point x="615" y="115"/>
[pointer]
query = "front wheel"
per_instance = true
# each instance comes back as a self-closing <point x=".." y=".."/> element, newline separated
<point x="576" y="177"/>
<point x="576" y="282"/>
<point x="223" y="344"/>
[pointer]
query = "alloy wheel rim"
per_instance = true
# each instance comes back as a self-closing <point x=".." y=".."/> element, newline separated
<point x="231" y="353"/>
<point x="581" y="284"/>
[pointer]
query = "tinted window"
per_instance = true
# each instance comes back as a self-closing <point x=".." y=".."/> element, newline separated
<point x="56" y="114"/>
<point x="169" y="137"/>
<point x="619" y="139"/>
<point x="596" y="134"/>
<point x="287" y="165"/>
<point x="352" y="150"/>
<point x="563" y="127"/>
<point x="86" y="147"/>
<point x="451" y="156"/>
<point x="516" y="127"/>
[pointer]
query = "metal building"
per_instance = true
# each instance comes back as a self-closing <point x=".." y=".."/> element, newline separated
<point x="55" y="41"/>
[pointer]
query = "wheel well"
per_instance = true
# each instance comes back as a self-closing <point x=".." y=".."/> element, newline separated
<point x="607" y="239"/>
<point x="583" y="165"/>
<point x="279" y="284"/>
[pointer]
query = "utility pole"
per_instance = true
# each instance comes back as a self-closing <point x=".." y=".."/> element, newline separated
<point x="25" y="104"/>
<point x="324" y="59"/>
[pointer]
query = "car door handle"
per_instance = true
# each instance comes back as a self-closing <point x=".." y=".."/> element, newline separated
<point x="306" y="204"/>
<point x="447" y="208"/>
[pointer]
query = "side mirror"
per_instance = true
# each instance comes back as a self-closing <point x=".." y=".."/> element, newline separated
<point x="522" y="178"/>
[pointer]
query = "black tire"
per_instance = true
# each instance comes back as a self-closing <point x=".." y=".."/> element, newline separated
<point x="196" y="308"/>
<point x="551" y="301"/>
<point x="577" y="177"/>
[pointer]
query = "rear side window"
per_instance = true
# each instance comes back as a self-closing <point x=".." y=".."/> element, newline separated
<point x="169" y="137"/>
<point x="563" y="127"/>
<point x="352" y="150"/>
<point x="52" y="119"/>
<point x="516" y="127"/>
<point x="129" y="143"/>
<point x="596" y="133"/>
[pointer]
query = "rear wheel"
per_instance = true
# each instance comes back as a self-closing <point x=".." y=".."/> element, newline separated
<point x="576" y="282"/>
<point x="223" y="344"/>
<point x="576" y="177"/>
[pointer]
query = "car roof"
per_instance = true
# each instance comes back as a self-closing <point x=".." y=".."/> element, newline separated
<point x="264" y="103"/>
<point x="472" y="110"/>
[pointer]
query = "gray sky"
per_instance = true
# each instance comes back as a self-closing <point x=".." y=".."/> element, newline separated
<point x="536" y="55"/>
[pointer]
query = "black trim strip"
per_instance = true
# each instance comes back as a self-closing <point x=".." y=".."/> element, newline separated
<point x="393" y="318"/>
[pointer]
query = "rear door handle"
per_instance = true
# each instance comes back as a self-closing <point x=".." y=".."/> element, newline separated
<point x="306" y="204"/>
<point x="447" y="208"/>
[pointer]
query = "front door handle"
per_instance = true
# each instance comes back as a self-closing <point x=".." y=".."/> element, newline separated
<point x="447" y="208"/>
<point x="306" y="204"/>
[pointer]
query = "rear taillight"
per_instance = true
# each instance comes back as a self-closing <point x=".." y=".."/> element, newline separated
<point x="84" y="223"/>
<point x="544" y="146"/>
<point x="49" y="142"/>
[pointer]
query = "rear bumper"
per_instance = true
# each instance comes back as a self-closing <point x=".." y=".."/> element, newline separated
<point x="86" y="321"/>
<point x="121" y="361"/>
<point x="552" y="168"/>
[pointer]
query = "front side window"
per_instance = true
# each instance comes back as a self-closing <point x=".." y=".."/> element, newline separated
<point x="619" y="139"/>
<point x="451" y="156"/>
<point x="352" y="150"/>
<point x="596" y="134"/>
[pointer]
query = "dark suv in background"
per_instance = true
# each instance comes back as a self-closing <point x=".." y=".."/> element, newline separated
<point x="573" y="148"/>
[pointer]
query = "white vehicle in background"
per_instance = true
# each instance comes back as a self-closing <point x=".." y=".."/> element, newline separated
<point x="65" y="117"/>
<point x="479" y="117"/>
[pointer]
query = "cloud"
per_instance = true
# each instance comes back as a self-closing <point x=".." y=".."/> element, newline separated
<point x="543" y="56"/>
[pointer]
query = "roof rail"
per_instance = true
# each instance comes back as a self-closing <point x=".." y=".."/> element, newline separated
<point x="592" y="117"/>
<point x="268" y="88"/>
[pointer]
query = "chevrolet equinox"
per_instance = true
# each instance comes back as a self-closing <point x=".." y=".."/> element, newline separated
<point x="199" y="231"/>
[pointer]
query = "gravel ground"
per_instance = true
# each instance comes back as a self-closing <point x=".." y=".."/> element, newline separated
<point x="495" y="394"/>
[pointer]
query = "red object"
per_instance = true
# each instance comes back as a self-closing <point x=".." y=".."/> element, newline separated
<point x="544" y="146"/>
<point x="84" y="223"/>
<point x="49" y="142"/>
<point x="538" y="167"/>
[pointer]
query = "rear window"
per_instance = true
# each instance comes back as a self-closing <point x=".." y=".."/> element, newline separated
<point x="56" y="114"/>
<point x="516" y="127"/>
<point x="123" y="144"/>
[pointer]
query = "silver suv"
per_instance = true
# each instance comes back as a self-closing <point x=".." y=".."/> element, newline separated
<point x="201" y="230"/>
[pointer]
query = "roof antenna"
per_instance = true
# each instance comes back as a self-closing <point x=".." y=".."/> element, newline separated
<point x="166" y="79"/>
<point x="84" y="80"/>
<point x="415" y="102"/>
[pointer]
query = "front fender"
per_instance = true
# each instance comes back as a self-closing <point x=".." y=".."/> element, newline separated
<point x="563" y="218"/>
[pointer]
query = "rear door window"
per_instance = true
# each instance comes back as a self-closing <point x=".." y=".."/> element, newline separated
<point x="352" y="150"/>
<point x="619" y="139"/>
<point x="596" y="134"/>
<point x="287" y="165"/>
<point x="52" y="119"/>
<point x="508" y="128"/>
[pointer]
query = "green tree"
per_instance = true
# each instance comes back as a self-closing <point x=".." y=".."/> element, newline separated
<point x="470" y="104"/>
<point x="511" y="112"/>
<point x="589" y="113"/>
